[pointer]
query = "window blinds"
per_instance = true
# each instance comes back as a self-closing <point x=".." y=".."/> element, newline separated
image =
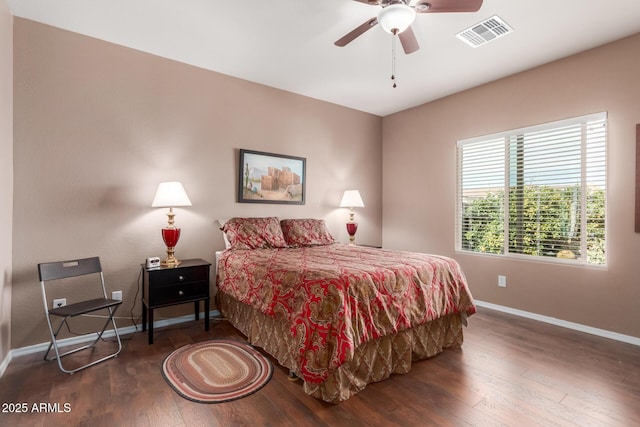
<point x="538" y="191"/>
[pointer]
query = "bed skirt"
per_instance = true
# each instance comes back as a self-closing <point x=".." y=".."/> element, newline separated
<point x="373" y="361"/>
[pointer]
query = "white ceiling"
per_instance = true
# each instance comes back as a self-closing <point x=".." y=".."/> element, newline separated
<point x="288" y="44"/>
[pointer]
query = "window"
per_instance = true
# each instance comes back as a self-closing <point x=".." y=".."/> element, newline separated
<point x="535" y="192"/>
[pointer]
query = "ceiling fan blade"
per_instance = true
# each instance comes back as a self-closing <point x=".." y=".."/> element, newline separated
<point x="371" y="2"/>
<point x="355" y="33"/>
<point x="409" y="41"/>
<point x="443" y="6"/>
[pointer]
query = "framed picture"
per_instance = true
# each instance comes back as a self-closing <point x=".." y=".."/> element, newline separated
<point x="271" y="178"/>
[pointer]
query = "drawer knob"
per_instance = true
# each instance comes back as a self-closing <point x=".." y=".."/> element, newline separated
<point x="180" y="293"/>
<point x="181" y="278"/>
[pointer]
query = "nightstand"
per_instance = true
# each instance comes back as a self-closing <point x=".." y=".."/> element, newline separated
<point x="166" y="286"/>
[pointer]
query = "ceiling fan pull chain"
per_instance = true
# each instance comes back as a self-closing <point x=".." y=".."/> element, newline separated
<point x="393" y="58"/>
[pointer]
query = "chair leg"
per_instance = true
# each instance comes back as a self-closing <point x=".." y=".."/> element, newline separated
<point x="59" y="356"/>
<point x="54" y="343"/>
<point x="53" y="338"/>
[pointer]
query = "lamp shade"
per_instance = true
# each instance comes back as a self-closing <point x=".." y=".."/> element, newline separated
<point x="351" y="199"/>
<point x="170" y="194"/>
<point x="396" y="18"/>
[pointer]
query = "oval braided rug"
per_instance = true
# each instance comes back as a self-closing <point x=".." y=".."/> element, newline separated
<point x="216" y="371"/>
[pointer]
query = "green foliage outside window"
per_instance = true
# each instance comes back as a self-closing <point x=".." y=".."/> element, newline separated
<point x="543" y="221"/>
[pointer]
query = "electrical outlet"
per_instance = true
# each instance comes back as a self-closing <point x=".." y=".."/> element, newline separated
<point x="60" y="302"/>
<point x="502" y="281"/>
<point x="116" y="295"/>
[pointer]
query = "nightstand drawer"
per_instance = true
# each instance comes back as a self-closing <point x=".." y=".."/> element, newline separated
<point x="176" y="292"/>
<point x="180" y="275"/>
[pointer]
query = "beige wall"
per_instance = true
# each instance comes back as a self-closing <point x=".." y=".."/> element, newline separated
<point x="6" y="175"/>
<point x="419" y="169"/>
<point x="98" y="126"/>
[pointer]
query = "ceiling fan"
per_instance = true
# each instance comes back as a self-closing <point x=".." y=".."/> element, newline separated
<point x="396" y="17"/>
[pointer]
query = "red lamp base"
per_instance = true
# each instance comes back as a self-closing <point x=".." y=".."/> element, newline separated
<point x="352" y="227"/>
<point x="170" y="237"/>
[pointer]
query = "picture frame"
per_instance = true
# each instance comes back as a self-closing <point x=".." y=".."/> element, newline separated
<point x="271" y="178"/>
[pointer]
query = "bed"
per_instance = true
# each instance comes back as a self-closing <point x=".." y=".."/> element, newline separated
<point x="337" y="316"/>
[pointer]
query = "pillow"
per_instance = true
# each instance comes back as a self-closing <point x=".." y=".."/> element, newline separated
<point x="254" y="233"/>
<point x="306" y="232"/>
<point x="222" y="222"/>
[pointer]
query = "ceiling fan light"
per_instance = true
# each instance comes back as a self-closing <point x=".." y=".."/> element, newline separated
<point x="396" y="18"/>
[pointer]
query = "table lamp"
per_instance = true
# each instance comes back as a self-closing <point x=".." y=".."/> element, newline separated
<point x="351" y="199"/>
<point x="170" y="195"/>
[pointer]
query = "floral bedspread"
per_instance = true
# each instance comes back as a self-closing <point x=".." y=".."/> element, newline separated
<point x="337" y="296"/>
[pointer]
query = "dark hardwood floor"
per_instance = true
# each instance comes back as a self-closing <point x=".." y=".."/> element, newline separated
<point x="510" y="372"/>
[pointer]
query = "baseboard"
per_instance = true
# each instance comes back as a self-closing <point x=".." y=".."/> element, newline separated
<point x="559" y="322"/>
<point x="42" y="347"/>
<point x="5" y="363"/>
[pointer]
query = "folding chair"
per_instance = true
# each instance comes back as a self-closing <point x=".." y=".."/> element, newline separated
<point x="54" y="271"/>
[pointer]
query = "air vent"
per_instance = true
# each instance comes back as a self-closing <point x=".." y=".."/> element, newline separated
<point x="485" y="31"/>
